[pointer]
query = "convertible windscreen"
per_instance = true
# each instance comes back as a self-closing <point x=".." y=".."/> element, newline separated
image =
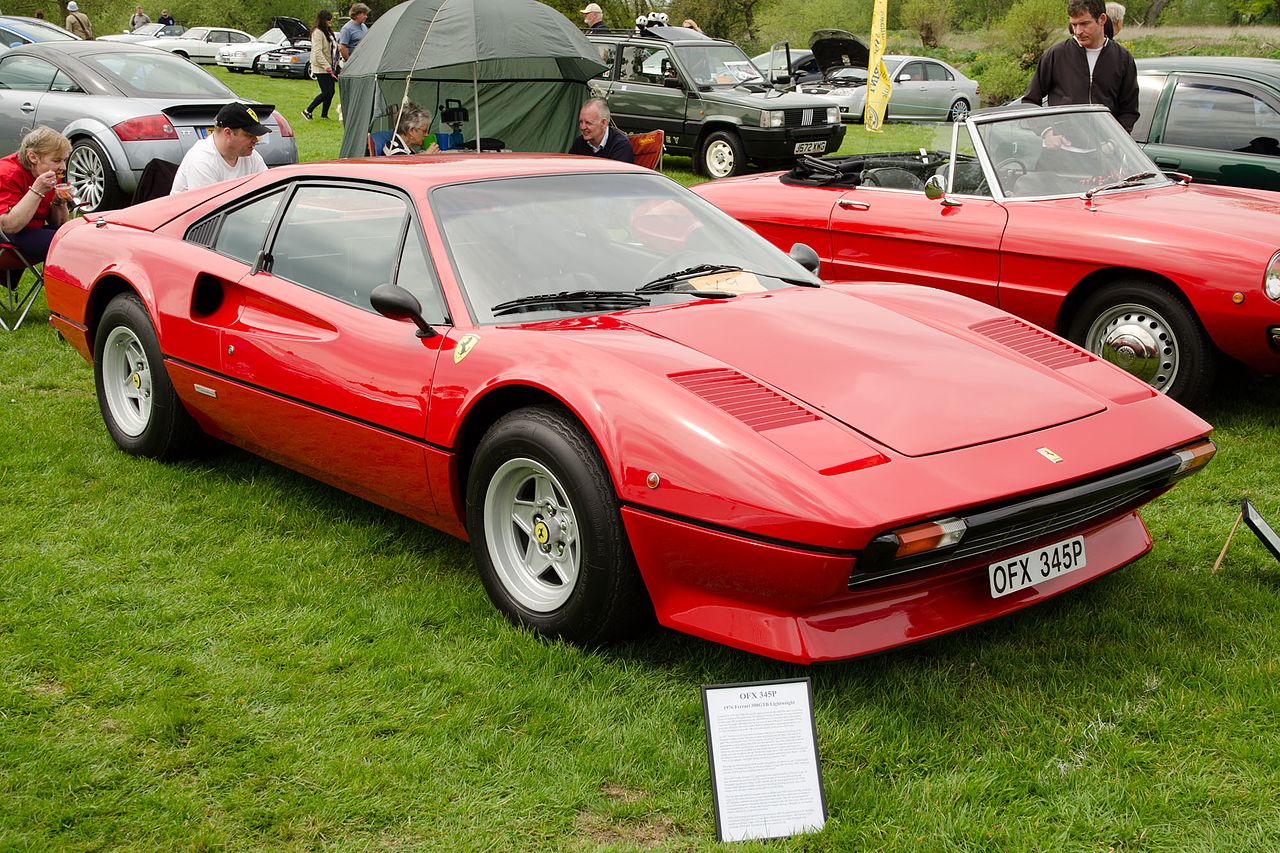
<point x="517" y="240"/>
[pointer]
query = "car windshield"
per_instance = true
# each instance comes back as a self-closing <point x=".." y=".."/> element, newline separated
<point x="596" y="234"/>
<point x="849" y="76"/>
<point x="40" y="31"/>
<point x="149" y="30"/>
<point x="152" y="73"/>
<point x="198" y="33"/>
<point x="1064" y="153"/>
<point x="718" y="64"/>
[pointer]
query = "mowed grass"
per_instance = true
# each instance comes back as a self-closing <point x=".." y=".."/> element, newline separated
<point x="223" y="654"/>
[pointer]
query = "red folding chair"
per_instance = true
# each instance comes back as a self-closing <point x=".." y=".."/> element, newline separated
<point x="16" y="300"/>
<point x="646" y="149"/>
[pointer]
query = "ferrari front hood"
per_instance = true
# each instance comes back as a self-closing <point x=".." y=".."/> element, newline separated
<point x="912" y="386"/>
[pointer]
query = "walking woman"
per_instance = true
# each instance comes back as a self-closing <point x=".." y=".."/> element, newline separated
<point x="323" y="49"/>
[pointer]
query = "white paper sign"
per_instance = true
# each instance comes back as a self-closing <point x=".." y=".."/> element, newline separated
<point x="763" y="748"/>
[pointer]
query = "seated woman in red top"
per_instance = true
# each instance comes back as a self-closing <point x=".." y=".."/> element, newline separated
<point x="30" y="210"/>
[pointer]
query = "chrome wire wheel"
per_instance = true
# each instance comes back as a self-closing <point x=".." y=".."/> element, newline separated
<point x="532" y="532"/>
<point x="959" y="110"/>
<point x="1139" y="340"/>
<point x="86" y="172"/>
<point x="126" y="381"/>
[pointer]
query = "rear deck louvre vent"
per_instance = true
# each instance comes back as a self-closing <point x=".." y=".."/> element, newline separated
<point x="1032" y="342"/>
<point x="755" y="405"/>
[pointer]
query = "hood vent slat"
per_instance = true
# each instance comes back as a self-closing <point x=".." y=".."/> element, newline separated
<point x="1034" y="343"/>
<point x="757" y="406"/>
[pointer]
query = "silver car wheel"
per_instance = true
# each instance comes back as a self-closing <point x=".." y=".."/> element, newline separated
<point x="1139" y="341"/>
<point x="959" y="110"/>
<point x="532" y="531"/>
<point x="87" y="174"/>
<point x="126" y="381"/>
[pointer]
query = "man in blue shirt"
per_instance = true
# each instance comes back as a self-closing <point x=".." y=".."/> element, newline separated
<point x="353" y="31"/>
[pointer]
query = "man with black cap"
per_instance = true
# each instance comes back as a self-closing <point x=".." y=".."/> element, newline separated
<point x="593" y="17"/>
<point x="225" y="153"/>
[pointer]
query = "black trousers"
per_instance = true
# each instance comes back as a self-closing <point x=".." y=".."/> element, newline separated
<point x="325" y="97"/>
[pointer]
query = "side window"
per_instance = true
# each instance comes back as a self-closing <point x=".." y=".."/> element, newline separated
<point x="237" y="38"/>
<point x="341" y="241"/>
<point x="243" y="229"/>
<point x="913" y="72"/>
<point x="809" y="66"/>
<point x="63" y="83"/>
<point x="26" y="74"/>
<point x="606" y="56"/>
<point x="416" y="275"/>
<point x="1224" y="116"/>
<point x="936" y="73"/>
<point x="10" y="39"/>
<point x="642" y="64"/>
<point x="1149" y="88"/>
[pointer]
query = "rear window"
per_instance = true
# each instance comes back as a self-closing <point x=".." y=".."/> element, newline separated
<point x="150" y="73"/>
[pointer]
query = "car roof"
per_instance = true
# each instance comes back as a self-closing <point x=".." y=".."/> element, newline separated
<point x="25" y="24"/>
<point x="1244" y="66"/>
<point x="423" y="171"/>
<point x="53" y="49"/>
<point x="661" y="35"/>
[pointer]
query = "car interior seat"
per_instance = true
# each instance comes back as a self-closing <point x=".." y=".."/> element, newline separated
<point x="969" y="178"/>
<point x="893" y="177"/>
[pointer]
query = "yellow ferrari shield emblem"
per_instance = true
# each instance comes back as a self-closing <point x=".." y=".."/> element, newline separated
<point x="464" y="347"/>
<point x="1049" y="454"/>
<point x="541" y="533"/>
<point x="137" y="381"/>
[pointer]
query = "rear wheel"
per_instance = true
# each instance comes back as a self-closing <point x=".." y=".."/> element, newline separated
<point x="959" y="110"/>
<point x="1151" y="334"/>
<point x="92" y="179"/>
<point x="722" y="155"/>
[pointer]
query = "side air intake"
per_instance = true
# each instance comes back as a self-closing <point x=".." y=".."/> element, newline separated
<point x="755" y="405"/>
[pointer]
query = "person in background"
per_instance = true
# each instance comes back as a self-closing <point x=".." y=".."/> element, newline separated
<point x="598" y="139"/>
<point x="138" y="18"/>
<point x="353" y="31"/>
<point x="32" y="210"/>
<point x="1088" y="67"/>
<point x="323" y="48"/>
<point x="1115" y="20"/>
<point x="691" y="24"/>
<point x="165" y="18"/>
<point x="593" y="17"/>
<point x="40" y="14"/>
<point x="410" y="129"/>
<point x="78" y="22"/>
<point x="226" y="153"/>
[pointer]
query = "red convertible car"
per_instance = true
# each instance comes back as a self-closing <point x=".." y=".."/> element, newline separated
<point x="1057" y="216"/>
<point x="628" y="402"/>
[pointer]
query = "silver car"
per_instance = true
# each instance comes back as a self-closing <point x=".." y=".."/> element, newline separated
<point x="121" y="105"/>
<point x="147" y="31"/>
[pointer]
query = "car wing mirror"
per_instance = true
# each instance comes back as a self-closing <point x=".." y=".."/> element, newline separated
<point x="935" y="189"/>
<point x="782" y="79"/>
<point x="396" y="303"/>
<point x="805" y="256"/>
<point x="672" y="83"/>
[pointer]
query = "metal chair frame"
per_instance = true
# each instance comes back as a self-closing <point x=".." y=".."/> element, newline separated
<point x="19" y="298"/>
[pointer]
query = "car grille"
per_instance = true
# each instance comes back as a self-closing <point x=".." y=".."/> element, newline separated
<point x="997" y="528"/>
<point x="804" y="118"/>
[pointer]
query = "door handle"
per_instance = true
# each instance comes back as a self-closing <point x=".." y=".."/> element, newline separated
<point x="1171" y="162"/>
<point x="28" y="107"/>
<point x="850" y="204"/>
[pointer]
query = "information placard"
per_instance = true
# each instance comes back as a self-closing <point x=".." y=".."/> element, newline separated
<point x="763" y="748"/>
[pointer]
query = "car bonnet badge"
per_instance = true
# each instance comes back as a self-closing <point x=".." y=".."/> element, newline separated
<point x="1049" y="454"/>
<point x="464" y="347"/>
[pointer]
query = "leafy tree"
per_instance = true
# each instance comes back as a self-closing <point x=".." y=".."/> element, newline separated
<point x="930" y="18"/>
<point x="1031" y="26"/>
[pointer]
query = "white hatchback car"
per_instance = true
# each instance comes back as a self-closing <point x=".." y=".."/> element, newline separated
<point x="284" y="32"/>
<point x="201" y="44"/>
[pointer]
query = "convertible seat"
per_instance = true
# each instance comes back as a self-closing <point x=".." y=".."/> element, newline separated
<point x="17" y="291"/>
<point x="969" y="178"/>
<point x="893" y="177"/>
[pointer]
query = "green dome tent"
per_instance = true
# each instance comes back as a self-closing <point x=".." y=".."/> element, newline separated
<point x="520" y="69"/>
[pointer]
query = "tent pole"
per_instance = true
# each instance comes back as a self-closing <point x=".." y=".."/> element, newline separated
<point x="475" y="93"/>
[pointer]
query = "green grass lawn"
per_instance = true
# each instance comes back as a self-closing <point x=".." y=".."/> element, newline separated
<point x="225" y="654"/>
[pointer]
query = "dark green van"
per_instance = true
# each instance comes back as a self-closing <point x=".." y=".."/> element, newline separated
<point x="709" y="100"/>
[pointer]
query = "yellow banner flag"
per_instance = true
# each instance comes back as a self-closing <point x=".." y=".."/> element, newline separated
<point x="878" y="86"/>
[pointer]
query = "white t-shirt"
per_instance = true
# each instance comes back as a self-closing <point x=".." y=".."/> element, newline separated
<point x="1091" y="53"/>
<point x="203" y="165"/>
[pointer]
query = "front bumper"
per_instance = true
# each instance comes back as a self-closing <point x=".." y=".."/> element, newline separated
<point x="777" y="144"/>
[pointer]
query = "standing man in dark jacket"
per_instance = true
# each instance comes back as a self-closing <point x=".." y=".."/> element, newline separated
<point x="1088" y="68"/>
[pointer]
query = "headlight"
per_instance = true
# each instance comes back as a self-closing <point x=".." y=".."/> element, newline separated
<point x="771" y="118"/>
<point x="1271" y="281"/>
<point x="833" y="115"/>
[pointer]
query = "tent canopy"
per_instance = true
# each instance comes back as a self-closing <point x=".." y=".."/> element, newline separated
<point x="520" y="69"/>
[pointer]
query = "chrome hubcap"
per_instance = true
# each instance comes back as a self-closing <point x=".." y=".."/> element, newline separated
<point x="1138" y="340"/>
<point x="85" y="174"/>
<point x="126" y="381"/>
<point x="532" y="532"/>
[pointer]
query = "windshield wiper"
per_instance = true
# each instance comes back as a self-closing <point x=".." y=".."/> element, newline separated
<point x="668" y="281"/>
<point x="1131" y="181"/>
<point x="590" y="298"/>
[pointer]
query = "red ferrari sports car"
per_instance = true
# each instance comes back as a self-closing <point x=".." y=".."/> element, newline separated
<point x="1057" y="216"/>
<point x="628" y="402"/>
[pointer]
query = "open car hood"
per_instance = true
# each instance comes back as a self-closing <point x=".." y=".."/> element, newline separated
<point x="911" y="385"/>
<point x="293" y="29"/>
<point x="838" y="49"/>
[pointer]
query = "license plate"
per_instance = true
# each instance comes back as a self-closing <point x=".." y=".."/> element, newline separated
<point x="1035" y="567"/>
<point x="202" y="132"/>
<point x="811" y="147"/>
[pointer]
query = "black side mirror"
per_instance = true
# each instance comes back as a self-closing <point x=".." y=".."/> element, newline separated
<point x="672" y="83"/>
<point x="396" y="303"/>
<point x="805" y="256"/>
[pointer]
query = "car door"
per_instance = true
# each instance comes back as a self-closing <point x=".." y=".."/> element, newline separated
<point x="1219" y="130"/>
<point x="910" y="92"/>
<point x="314" y="375"/>
<point x="24" y="82"/>
<point x="940" y="90"/>
<point x="649" y="92"/>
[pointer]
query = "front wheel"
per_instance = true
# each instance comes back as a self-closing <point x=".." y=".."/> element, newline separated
<point x="92" y="179"/>
<point x="722" y="155"/>
<point x="547" y="533"/>
<point x="1151" y="334"/>
<point x="138" y="402"/>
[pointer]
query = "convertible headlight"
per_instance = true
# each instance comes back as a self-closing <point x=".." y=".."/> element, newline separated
<point x="771" y="118"/>
<point x="833" y="115"/>
<point x="1271" y="280"/>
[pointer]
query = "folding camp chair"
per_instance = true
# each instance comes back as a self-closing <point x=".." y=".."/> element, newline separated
<point x="377" y="141"/>
<point x="16" y="300"/>
<point x="646" y="149"/>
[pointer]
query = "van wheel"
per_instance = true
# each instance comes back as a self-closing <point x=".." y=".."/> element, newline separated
<point x="722" y="155"/>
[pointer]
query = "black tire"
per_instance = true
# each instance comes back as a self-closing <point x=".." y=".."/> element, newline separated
<point x="721" y="155"/>
<point x="92" y="178"/>
<point x="1152" y="334"/>
<point x="138" y="403"/>
<point x="959" y="110"/>
<point x="581" y="583"/>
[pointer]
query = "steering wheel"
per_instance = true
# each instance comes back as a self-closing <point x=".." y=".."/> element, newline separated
<point x="1011" y="168"/>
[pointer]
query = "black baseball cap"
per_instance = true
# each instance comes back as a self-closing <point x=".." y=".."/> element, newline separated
<point x="236" y="114"/>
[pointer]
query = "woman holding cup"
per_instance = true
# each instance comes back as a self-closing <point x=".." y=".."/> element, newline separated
<point x="30" y="209"/>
